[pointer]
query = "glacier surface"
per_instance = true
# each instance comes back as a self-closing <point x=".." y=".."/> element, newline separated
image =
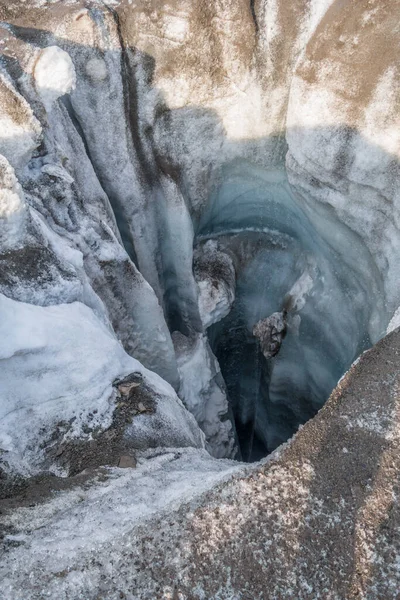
<point x="183" y="194"/>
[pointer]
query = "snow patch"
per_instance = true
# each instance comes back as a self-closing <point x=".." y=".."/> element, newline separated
<point x="12" y="206"/>
<point x="54" y="74"/>
<point x="394" y="321"/>
<point x="58" y="364"/>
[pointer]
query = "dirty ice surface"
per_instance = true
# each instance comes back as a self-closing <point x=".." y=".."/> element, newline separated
<point x="75" y="528"/>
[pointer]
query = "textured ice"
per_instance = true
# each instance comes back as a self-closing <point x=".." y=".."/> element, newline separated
<point x="13" y="210"/>
<point x="133" y="145"/>
<point x="204" y="393"/>
<point x="58" y="364"/>
<point x="96" y="69"/>
<point x="284" y="261"/>
<point x="271" y="332"/>
<point x="54" y="74"/>
<point x="18" y="136"/>
<point x="146" y="143"/>
<point x="216" y="279"/>
<point x="394" y="321"/>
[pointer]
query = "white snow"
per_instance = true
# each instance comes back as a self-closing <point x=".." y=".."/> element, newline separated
<point x="20" y="131"/>
<point x="57" y="364"/>
<point x="12" y="207"/>
<point x="54" y="74"/>
<point x="394" y="321"/>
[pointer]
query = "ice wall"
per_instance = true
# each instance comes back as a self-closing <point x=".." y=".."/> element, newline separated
<point x="96" y="218"/>
<point x="284" y="261"/>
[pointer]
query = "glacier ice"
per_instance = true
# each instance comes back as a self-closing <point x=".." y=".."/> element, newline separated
<point x="201" y="198"/>
<point x="54" y="74"/>
<point x="184" y="197"/>
<point x="284" y="263"/>
<point x="203" y="391"/>
<point x="13" y="210"/>
<point x="216" y="279"/>
<point x="58" y="364"/>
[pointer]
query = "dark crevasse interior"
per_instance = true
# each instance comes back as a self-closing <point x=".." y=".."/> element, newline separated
<point x="319" y="269"/>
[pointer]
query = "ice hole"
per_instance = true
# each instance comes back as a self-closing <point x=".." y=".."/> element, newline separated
<point x="305" y="265"/>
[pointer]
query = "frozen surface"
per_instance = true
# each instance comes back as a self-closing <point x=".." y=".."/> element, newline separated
<point x="185" y="172"/>
<point x="394" y="321"/>
<point x="76" y="529"/>
<point x="135" y="140"/>
<point x="58" y="364"/>
<point x="54" y="74"/>
<point x="151" y="533"/>
<point x="216" y="279"/>
<point x="13" y="210"/>
<point x="18" y="136"/>
<point x="204" y="393"/>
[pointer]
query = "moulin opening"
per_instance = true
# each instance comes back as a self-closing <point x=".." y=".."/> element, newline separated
<point x="248" y="360"/>
<point x="294" y="315"/>
<point x="248" y="368"/>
